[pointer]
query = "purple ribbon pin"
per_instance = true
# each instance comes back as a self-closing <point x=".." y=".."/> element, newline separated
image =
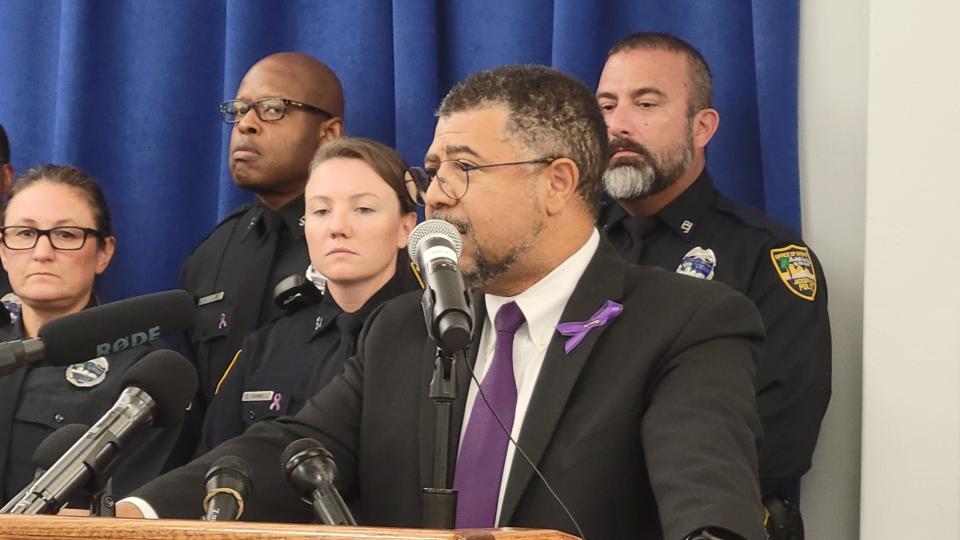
<point x="576" y="331"/>
<point x="275" y="406"/>
<point x="223" y="321"/>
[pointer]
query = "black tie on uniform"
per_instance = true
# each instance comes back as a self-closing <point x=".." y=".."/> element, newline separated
<point x="637" y="228"/>
<point x="348" y="326"/>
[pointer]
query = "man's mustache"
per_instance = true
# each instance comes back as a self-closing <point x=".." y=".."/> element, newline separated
<point x="619" y="143"/>
<point x="462" y="225"/>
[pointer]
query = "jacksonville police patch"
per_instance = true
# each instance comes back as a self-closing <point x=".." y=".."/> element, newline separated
<point x="795" y="267"/>
<point x="698" y="263"/>
<point x="89" y="373"/>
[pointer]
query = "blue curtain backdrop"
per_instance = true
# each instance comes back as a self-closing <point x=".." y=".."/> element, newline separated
<point x="129" y="90"/>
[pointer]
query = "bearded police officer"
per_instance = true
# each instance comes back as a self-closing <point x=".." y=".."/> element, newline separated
<point x="655" y="93"/>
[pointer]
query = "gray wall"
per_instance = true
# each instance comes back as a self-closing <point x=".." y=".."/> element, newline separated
<point x="833" y="154"/>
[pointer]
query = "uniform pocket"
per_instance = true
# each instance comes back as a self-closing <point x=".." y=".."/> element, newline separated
<point x="256" y="411"/>
<point x="212" y="321"/>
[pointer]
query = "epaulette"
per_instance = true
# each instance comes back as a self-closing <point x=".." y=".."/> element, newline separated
<point x="229" y="217"/>
<point x="755" y="219"/>
<point x="236" y="213"/>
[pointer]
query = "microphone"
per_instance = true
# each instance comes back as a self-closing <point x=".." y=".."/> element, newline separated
<point x="156" y="391"/>
<point x="310" y="469"/>
<point x="435" y="245"/>
<point x="228" y="482"/>
<point x="101" y="330"/>
<point x="47" y="453"/>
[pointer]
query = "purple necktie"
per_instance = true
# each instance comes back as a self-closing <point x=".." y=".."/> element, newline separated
<point x="484" y="447"/>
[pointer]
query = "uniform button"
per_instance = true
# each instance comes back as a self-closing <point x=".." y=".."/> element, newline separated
<point x="58" y="418"/>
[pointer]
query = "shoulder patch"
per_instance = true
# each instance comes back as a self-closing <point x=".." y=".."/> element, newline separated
<point x="794" y="265"/>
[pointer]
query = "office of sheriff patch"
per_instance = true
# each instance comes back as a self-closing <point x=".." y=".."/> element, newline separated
<point x="795" y="267"/>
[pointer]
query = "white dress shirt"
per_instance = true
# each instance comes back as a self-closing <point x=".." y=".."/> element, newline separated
<point x="542" y="304"/>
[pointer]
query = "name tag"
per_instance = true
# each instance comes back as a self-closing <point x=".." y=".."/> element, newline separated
<point x="257" y="395"/>
<point x="210" y="298"/>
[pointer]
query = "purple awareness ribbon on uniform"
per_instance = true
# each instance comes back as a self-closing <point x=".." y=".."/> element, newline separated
<point x="576" y="331"/>
<point x="275" y="406"/>
<point x="223" y="321"/>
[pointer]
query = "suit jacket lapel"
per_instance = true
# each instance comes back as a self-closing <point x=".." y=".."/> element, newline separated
<point x="602" y="281"/>
<point x="428" y="409"/>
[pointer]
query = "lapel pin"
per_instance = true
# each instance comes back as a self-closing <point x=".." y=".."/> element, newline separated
<point x="576" y="331"/>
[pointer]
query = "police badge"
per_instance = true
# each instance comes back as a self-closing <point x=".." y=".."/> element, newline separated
<point x="698" y="263"/>
<point x="89" y="373"/>
<point x="795" y="267"/>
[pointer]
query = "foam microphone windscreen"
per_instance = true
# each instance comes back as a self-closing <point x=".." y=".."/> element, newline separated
<point x="56" y="444"/>
<point x="169" y="379"/>
<point x="115" y="326"/>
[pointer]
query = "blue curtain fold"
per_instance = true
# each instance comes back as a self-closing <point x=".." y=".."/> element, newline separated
<point x="129" y="90"/>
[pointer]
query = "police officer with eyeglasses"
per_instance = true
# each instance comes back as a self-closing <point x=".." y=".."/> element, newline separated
<point x="287" y="105"/>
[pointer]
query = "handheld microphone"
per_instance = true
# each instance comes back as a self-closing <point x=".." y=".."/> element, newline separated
<point x="310" y="469"/>
<point x="101" y="330"/>
<point x="227" y="483"/>
<point x="156" y="391"/>
<point x="436" y="246"/>
<point x="47" y="453"/>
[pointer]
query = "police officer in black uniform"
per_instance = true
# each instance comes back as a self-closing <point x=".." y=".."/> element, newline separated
<point x="655" y="92"/>
<point x="352" y="228"/>
<point x="56" y="238"/>
<point x="287" y="105"/>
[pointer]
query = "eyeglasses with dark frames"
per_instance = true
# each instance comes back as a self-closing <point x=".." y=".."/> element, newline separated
<point x="267" y="109"/>
<point x="418" y="179"/>
<point x="61" y="238"/>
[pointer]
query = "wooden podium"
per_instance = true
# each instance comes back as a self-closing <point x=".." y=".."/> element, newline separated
<point x="18" y="527"/>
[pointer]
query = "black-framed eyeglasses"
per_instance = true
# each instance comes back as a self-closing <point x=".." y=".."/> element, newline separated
<point x="61" y="238"/>
<point x="267" y="109"/>
<point x="455" y="185"/>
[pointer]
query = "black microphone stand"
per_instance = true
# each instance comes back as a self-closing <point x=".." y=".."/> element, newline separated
<point x="440" y="500"/>
<point x="103" y="503"/>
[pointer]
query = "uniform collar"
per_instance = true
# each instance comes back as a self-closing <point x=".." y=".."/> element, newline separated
<point x="15" y="327"/>
<point x="401" y="282"/>
<point x="684" y="213"/>
<point x="292" y="215"/>
<point x="325" y="315"/>
<point x="681" y="215"/>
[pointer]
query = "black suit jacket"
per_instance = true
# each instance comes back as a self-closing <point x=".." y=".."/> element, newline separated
<point x="647" y="429"/>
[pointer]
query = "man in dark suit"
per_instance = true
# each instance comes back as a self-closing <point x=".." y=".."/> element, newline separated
<point x="629" y="388"/>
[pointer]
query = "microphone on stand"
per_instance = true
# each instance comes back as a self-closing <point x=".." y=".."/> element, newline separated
<point x="436" y="245"/>
<point x="310" y="469"/>
<point x="156" y="391"/>
<point x="227" y="483"/>
<point x="47" y="453"/>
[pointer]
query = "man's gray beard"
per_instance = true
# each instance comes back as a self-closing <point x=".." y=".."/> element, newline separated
<point x="631" y="182"/>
